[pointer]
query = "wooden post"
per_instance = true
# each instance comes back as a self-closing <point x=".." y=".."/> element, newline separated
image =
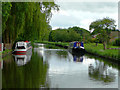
<point x="1" y="47"/>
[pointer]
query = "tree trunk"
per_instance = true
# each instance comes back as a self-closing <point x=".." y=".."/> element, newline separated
<point x="7" y="37"/>
<point x="96" y="44"/>
<point x="104" y="44"/>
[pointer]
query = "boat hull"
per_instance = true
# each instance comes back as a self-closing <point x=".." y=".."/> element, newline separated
<point x="22" y="51"/>
<point x="78" y="50"/>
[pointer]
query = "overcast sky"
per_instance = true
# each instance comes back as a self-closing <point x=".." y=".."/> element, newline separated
<point x="83" y="13"/>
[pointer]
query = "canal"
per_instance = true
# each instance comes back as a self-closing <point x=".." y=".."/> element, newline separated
<point x="47" y="67"/>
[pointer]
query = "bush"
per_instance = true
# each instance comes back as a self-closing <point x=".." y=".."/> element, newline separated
<point x="92" y="40"/>
<point x="116" y="42"/>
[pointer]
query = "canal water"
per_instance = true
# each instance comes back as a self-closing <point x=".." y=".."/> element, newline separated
<point x="46" y="67"/>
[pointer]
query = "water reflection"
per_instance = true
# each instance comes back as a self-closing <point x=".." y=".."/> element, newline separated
<point x="77" y="56"/>
<point x="102" y="72"/>
<point x="23" y="59"/>
<point x="30" y="75"/>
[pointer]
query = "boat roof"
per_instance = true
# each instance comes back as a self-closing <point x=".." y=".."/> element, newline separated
<point x="74" y="41"/>
<point x="27" y="42"/>
<point x="24" y="41"/>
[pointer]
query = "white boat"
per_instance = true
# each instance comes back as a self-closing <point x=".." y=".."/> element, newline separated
<point x="22" y="47"/>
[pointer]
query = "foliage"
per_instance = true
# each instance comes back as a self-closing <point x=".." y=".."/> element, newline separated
<point x="53" y="43"/>
<point x="70" y="34"/>
<point x="116" y="42"/>
<point x="26" y="20"/>
<point x="92" y="40"/>
<point x="103" y="27"/>
<point x="102" y="24"/>
<point x="3" y="53"/>
<point x="6" y="7"/>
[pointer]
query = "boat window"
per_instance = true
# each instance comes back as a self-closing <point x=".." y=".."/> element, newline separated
<point x="20" y="47"/>
<point x="28" y="45"/>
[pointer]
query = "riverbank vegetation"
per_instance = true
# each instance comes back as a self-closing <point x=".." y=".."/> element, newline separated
<point x="99" y="51"/>
<point x="92" y="49"/>
<point x="26" y="21"/>
<point x="4" y="53"/>
<point x="53" y="43"/>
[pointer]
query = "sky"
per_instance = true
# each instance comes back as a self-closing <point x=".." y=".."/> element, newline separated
<point x="81" y="14"/>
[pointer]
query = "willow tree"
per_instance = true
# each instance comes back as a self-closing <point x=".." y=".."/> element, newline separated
<point x="6" y="7"/>
<point x="26" y="20"/>
<point x="14" y="25"/>
<point x="103" y="27"/>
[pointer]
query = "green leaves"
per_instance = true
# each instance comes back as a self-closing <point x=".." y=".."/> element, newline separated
<point x="70" y="34"/>
<point x="26" y="20"/>
<point x="103" y="28"/>
<point x="6" y="7"/>
<point x="105" y="23"/>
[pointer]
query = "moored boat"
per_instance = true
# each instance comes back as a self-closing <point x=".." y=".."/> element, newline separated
<point x="22" y="47"/>
<point x="76" y="46"/>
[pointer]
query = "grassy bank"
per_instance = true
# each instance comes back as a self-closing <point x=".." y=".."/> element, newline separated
<point x="6" y="52"/>
<point x="93" y="49"/>
<point x="99" y="51"/>
<point x="61" y="44"/>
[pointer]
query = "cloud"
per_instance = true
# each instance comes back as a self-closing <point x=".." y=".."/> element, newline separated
<point x="83" y="13"/>
<point x="90" y="6"/>
<point x="87" y="0"/>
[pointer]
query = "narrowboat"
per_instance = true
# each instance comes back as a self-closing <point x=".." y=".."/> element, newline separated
<point x="76" y="46"/>
<point x="22" y="47"/>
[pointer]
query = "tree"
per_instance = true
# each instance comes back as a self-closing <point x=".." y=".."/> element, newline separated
<point x="83" y="33"/>
<point x="26" y="20"/>
<point x="103" y="27"/>
<point x="67" y="35"/>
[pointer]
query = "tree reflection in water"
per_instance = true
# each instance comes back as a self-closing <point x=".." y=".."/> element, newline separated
<point x="31" y="75"/>
<point x="101" y="72"/>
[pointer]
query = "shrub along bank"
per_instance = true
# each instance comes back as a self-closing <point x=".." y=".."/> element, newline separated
<point x="6" y="52"/>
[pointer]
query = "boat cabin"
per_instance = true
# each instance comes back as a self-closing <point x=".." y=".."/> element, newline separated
<point x="76" y="45"/>
<point x="22" y="47"/>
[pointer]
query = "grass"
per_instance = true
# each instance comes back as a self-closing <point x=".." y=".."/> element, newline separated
<point x="93" y="49"/>
<point x="98" y="50"/>
<point x="54" y="43"/>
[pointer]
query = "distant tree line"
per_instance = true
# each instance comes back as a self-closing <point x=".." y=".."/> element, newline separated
<point x="26" y="20"/>
<point x="71" y="34"/>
